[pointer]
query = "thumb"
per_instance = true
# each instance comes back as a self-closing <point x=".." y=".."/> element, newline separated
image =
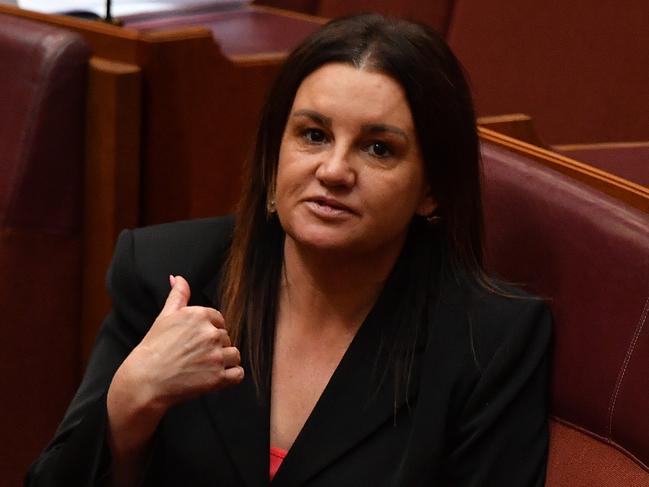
<point x="178" y="296"/>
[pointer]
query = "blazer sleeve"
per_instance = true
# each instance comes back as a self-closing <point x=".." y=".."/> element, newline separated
<point x="79" y="455"/>
<point x="501" y="436"/>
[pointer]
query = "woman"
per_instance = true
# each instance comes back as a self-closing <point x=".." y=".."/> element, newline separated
<point x="371" y="349"/>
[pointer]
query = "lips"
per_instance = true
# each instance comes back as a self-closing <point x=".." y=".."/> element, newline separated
<point x="325" y="205"/>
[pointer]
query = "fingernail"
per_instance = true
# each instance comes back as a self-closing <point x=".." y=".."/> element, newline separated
<point x="172" y="280"/>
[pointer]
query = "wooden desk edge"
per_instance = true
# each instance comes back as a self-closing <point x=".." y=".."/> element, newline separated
<point x="631" y="193"/>
<point x="71" y="22"/>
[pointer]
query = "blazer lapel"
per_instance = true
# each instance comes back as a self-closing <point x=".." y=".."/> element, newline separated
<point x="242" y="421"/>
<point x="359" y="398"/>
<point x="353" y="404"/>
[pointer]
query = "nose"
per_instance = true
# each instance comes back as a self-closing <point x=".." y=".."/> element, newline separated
<point x="335" y="168"/>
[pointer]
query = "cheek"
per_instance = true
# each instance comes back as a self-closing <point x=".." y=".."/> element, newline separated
<point x="285" y="179"/>
<point x="295" y="166"/>
<point x="292" y="176"/>
<point x="397" y="195"/>
<point x="284" y="166"/>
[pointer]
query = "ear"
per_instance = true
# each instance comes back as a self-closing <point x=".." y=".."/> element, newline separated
<point x="427" y="205"/>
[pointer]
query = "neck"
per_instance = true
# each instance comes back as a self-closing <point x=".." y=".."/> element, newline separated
<point x="326" y="290"/>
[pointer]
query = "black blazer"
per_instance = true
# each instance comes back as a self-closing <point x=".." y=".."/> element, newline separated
<point x="475" y="414"/>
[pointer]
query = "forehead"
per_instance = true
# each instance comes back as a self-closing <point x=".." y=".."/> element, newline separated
<point x="339" y="90"/>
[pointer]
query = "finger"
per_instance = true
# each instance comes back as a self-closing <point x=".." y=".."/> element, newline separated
<point x="212" y="315"/>
<point x="216" y="318"/>
<point x="231" y="357"/>
<point x="178" y="296"/>
<point x="233" y="375"/>
<point x="223" y="338"/>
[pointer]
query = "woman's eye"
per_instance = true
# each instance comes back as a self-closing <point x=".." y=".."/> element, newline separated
<point x="379" y="149"/>
<point x="314" y="136"/>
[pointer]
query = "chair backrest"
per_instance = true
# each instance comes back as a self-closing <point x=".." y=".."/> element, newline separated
<point x="42" y="93"/>
<point x="41" y="124"/>
<point x="578" y="67"/>
<point x="588" y="254"/>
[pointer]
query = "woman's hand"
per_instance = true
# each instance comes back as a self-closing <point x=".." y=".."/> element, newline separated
<point x="187" y="352"/>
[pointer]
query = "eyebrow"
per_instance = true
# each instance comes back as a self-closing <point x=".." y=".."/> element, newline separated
<point x="315" y="116"/>
<point x="380" y="128"/>
<point x="368" y="128"/>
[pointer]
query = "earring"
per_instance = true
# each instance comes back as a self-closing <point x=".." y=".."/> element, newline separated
<point x="270" y="206"/>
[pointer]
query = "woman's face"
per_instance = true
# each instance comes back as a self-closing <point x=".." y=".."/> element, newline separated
<point x="350" y="174"/>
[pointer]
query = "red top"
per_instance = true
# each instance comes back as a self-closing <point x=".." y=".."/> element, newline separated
<point x="276" y="457"/>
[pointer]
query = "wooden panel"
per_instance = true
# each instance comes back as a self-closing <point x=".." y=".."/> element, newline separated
<point x="304" y="6"/>
<point x="201" y="114"/>
<point x="435" y="13"/>
<point x="244" y="31"/>
<point x="111" y="178"/>
<point x="516" y="125"/>
<point x="200" y="107"/>
<point x="171" y="121"/>
<point x="107" y="41"/>
<point x="579" y="68"/>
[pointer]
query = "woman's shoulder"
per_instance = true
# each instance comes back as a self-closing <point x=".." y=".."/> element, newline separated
<point x="146" y="256"/>
<point x="183" y="242"/>
<point x="198" y="234"/>
<point x="497" y="316"/>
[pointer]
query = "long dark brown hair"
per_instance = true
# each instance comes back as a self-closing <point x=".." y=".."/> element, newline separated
<point x="440" y="101"/>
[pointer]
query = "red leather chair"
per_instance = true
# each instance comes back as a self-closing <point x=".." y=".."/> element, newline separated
<point x="588" y="255"/>
<point x="42" y="92"/>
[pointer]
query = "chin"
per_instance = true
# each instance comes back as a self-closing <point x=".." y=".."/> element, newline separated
<point x="323" y="242"/>
<point x="324" y="239"/>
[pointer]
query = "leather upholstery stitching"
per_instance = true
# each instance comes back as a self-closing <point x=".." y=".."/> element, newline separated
<point x="627" y="359"/>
